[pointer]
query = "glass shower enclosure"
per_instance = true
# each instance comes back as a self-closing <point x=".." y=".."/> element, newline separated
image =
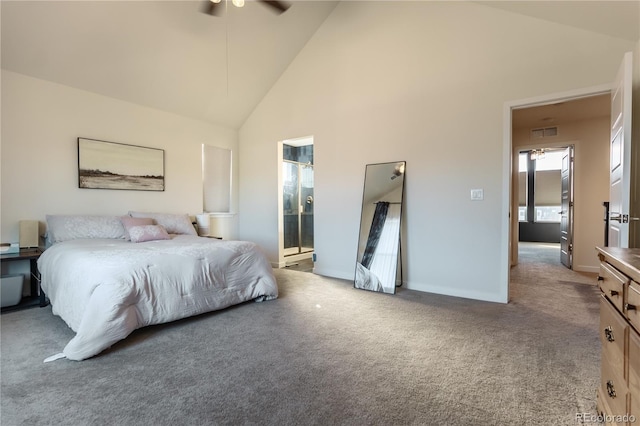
<point x="297" y="191"/>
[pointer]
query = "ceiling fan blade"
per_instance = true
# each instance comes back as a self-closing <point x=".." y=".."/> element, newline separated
<point x="276" y="6"/>
<point x="212" y="8"/>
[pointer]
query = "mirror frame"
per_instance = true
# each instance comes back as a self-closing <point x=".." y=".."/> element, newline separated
<point x="380" y="228"/>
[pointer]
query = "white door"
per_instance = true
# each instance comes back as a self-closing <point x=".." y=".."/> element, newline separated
<point x="566" y="213"/>
<point x="620" y="155"/>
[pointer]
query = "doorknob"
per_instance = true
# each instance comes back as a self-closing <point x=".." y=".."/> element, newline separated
<point x="623" y="218"/>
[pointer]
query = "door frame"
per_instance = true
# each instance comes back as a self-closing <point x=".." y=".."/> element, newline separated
<point x="282" y="259"/>
<point x="509" y="217"/>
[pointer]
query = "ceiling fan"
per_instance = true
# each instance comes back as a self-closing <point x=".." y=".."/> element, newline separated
<point x="216" y="7"/>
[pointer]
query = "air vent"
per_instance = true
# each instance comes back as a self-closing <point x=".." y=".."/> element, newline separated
<point x="544" y="132"/>
<point x="537" y="133"/>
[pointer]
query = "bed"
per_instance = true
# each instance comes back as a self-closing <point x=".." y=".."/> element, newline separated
<point x="107" y="276"/>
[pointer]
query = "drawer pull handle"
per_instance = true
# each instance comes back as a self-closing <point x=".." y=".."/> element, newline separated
<point x="629" y="307"/>
<point x="614" y="292"/>
<point x="600" y="278"/>
<point x="608" y="331"/>
<point x="610" y="389"/>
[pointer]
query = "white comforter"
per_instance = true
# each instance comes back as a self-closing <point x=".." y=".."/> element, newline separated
<point x="104" y="289"/>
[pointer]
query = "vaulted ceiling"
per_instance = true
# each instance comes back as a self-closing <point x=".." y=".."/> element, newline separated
<point x="168" y="55"/>
<point x="620" y="19"/>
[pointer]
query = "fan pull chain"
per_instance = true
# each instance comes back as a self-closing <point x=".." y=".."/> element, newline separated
<point x="226" y="36"/>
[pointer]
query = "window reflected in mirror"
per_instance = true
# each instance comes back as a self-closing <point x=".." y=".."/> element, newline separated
<point x="379" y="239"/>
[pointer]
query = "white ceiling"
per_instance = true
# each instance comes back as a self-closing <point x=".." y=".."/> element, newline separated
<point x="562" y="112"/>
<point x="169" y="56"/>
<point x="620" y="19"/>
<point x="166" y="55"/>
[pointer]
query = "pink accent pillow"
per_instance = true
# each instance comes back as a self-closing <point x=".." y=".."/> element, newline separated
<point x="143" y="233"/>
<point x="173" y="223"/>
<point x="128" y="222"/>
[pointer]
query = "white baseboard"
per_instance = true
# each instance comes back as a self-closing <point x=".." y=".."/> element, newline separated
<point x="584" y="268"/>
<point x="446" y="291"/>
<point x="334" y="273"/>
<point x="487" y="297"/>
<point x="426" y="288"/>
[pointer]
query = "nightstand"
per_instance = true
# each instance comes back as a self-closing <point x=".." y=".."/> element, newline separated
<point x="36" y="296"/>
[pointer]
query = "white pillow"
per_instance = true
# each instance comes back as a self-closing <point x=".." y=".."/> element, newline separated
<point x="173" y="223"/>
<point x="73" y="227"/>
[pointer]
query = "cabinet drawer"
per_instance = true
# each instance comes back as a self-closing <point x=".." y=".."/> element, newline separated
<point x="634" y="408"/>
<point x="613" y="333"/>
<point x="612" y="284"/>
<point x="634" y="365"/>
<point x="613" y="388"/>
<point x="633" y="304"/>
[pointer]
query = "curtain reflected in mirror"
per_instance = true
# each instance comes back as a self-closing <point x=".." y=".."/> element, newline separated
<point x="379" y="240"/>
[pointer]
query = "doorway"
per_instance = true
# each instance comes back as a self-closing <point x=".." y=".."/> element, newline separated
<point x="586" y="129"/>
<point x="545" y="200"/>
<point x="297" y="201"/>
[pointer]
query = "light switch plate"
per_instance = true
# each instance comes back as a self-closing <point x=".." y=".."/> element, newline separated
<point x="477" y="194"/>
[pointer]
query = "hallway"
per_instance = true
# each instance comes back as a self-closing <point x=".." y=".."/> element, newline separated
<point x="539" y="268"/>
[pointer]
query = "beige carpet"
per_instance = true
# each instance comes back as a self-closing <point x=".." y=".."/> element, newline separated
<point x="540" y="262"/>
<point x="325" y="353"/>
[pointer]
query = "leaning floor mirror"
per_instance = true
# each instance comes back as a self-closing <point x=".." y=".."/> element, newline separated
<point x="379" y="241"/>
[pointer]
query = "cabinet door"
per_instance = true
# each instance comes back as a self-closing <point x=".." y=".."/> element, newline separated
<point x="634" y="408"/>
<point x="613" y="333"/>
<point x="613" y="389"/>
<point x="634" y="373"/>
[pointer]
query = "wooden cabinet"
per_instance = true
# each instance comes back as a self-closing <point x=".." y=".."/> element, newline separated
<point x="634" y="375"/>
<point x="618" y="396"/>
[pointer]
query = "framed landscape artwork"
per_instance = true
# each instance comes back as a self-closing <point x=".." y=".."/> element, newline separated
<point x="110" y="165"/>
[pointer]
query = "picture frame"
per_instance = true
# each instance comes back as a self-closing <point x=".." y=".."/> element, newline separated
<point x="112" y="165"/>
